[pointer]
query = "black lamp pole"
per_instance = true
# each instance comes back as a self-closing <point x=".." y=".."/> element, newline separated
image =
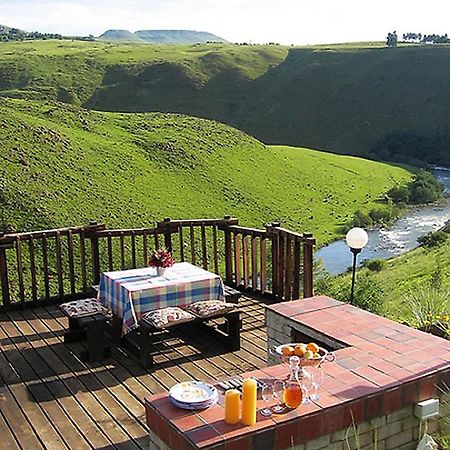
<point x="355" y="251"/>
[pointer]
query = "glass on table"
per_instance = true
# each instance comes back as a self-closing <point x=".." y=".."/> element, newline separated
<point x="266" y="395"/>
<point x="317" y="378"/>
<point x="278" y="392"/>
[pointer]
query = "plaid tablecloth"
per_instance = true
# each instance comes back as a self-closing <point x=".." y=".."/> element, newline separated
<point x="132" y="293"/>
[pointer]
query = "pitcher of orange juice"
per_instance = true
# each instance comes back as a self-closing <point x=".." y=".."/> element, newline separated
<point x="293" y="393"/>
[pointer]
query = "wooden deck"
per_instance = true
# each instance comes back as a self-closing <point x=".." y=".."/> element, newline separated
<point x="50" y="399"/>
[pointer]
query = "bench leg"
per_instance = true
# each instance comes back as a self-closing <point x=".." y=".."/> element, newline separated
<point x="76" y="332"/>
<point x="95" y="340"/>
<point x="234" y="330"/>
<point x="145" y="345"/>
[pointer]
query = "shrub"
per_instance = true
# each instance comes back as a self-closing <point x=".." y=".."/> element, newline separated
<point x="399" y="194"/>
<point x="368" y="293"/>
<point x="431" y="239"/>
<point x="428" y="305"/>
<point x="362" y="219"/>
<point x="425" y="188"/>
<point x="375" y="265"/>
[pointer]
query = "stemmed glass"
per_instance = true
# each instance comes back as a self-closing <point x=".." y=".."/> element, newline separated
<point x="278" y="392"/>
<point x="306" y="385"/>
<point x="317" y="379"/>
<point x="266" y="395"/>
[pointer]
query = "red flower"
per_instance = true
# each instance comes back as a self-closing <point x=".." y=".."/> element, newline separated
<point x="161" y="258"/>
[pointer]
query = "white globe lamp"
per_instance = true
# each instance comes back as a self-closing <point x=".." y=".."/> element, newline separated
<point x="356" y="239"/>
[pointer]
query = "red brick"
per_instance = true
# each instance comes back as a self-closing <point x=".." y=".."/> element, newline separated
<point x="331" y="420"/>
<point x="287" y="435"/>
<point x="153" y="419"/>
<point x="372" y="407"/>
<point x="164" y="431"/>
<point x="188" y="423"/>
<point x="176" y="440"/>
<point x="204" y="436"/>
<point x="242" y="443"/>
<point x="427" y="387"/>
<point x="410" y="393"/>
<point x="392" y="400"/>
<point x="310" y="427"/>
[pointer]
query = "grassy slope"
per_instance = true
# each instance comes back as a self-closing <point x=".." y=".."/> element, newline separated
<point x="342" y="98"/>
<point x="407" y="273"/>
<point x="61" y="165"/>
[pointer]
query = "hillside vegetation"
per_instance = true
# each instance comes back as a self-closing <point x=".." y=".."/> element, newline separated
<point x="62" y="165"/>
<point x="361" y="99"/>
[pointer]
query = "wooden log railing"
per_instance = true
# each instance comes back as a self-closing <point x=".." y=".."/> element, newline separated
<point x="58" y="265"/>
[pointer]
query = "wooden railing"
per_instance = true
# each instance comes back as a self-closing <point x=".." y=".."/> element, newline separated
<point x="59" y="265"/>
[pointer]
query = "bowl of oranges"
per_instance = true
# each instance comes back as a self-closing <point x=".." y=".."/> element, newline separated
<point x="310" y="354"/>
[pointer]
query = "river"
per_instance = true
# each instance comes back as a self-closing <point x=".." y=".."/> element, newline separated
<point x="398" y="239"/>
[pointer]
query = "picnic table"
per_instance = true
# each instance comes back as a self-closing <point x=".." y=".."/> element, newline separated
<point x="132" y="293"/>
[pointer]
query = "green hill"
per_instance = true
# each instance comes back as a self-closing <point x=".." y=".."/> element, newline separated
<point x="177" y="37"/>
<point x="363" y="99"/>
<point x="119" y="35"/>
<point x="63" y="165"/>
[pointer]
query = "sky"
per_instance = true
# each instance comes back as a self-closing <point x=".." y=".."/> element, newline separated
<point x="299" y="22"/>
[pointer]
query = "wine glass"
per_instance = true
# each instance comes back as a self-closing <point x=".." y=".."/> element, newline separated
<point x="266" y="395"/>
<point x="306" y="385"/>
<point x="317" y="379"/>
<point x="278" y="392"/>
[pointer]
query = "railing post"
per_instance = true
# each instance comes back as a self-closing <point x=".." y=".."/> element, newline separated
<point x="308" y="244"/>
<point x="228" y="253"/>
<point x="167" y="234"/>
<point x="4" y="244"/>
<point x="90" y="232"/>
<point x="274" y="236"/>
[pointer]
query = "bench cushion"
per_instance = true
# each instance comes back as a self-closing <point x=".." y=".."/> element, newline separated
<point x="83" y="308"/>
<point x="210" y="308"/>
<point x="167" y="317"/>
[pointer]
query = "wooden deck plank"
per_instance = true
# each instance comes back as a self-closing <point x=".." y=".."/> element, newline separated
<point x="75" y="378"/>
<point x="7" y="438"/>
<point x="60" y="376"/>
<point x="63" y="403"/>
<point x="95" y="379"/>
<point x="40" y="392"/>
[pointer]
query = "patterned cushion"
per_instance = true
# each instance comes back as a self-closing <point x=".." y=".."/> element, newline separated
<point x="166" y="317"/>
<point x="83" y="308"/>
<point x="210" y="308"/>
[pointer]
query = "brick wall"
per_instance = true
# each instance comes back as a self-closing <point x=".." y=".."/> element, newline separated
<point x="395" y="431"/>
<point x="382" y="369"/>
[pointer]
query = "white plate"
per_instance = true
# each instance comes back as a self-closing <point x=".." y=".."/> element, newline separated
<point x="192" y="392"/>
<point x="194" y="406"/>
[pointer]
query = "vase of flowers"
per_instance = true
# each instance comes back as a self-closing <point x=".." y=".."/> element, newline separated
<point x="161" y="259"/>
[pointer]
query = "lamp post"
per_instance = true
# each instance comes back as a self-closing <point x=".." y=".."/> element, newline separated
<point x="357" y="239"/>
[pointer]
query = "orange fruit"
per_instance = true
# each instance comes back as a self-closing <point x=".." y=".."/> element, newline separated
<point x="288" y="350"/>
<point x="300" y="350"/>
<point x="313" y="347"/>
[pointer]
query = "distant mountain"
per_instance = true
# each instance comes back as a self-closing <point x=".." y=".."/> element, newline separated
<point x="120" y="35"/>
<point x="161" y="36"/>
<point x="5" y="30"/>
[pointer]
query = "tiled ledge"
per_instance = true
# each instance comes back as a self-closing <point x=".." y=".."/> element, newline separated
<point x="386" y="367"/>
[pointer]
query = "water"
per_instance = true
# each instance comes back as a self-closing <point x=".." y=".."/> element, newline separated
<point x="401" y="237"/>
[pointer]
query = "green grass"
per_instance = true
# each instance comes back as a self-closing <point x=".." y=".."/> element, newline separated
<point x="62" y="165"/>
<point x="342" y="98"/>
<point x="410" y="272"/>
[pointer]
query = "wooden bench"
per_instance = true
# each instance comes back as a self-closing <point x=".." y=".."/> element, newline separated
<point x="232" y="295"/>
<point x="228" y="335"/>
<point x="85" y="325"/>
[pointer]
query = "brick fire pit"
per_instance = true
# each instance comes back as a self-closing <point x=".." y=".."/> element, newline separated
<point x="382" y="369"/>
